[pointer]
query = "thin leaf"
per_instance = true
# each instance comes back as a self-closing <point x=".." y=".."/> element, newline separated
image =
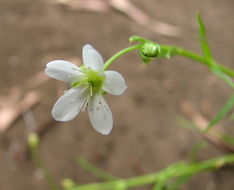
<point x="202" y="33"/>
<point x="222" y="75"/>
<point x="221" y="114"/>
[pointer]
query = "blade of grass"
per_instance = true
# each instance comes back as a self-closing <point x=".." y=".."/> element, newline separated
<point x="221" y="114"/>
<point x="202" y="33"/>
<point x="216" y="70"/>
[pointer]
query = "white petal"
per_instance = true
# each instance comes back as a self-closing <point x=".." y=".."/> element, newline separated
<point x="69" y="105"/>
<point x="114" y="83"/>
<point x="63" y="70"/>
<point x="92" y="58"/>
<point x="100" y="115"/>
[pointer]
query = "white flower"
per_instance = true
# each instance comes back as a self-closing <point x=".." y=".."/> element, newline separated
<point x="88" y="83"/>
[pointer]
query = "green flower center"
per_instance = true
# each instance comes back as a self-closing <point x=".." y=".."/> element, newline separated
<point x="92" y="79"/>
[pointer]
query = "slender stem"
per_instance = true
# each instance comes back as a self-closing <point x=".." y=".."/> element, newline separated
<point x="203" y="60"/>
<point x="39" y="164"/>
<point x="120" y="53"/>
<point x="226" y="70"/>
<point x="191" y="55"/>
<point x="174" y="171"/>
<point x="174" y="50"/>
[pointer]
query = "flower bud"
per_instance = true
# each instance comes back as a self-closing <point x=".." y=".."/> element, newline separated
<point x="67" y="183"/>
<point x="150" y="50"/>
<point x="33" y="140"/>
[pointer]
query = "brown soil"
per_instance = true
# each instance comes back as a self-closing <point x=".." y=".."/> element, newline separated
<point x="147" y="135"/>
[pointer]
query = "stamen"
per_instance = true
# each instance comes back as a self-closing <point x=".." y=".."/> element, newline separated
<point x="85" y="104"/>
<point x="84" y="93"/>
<point x="91" y="90"/>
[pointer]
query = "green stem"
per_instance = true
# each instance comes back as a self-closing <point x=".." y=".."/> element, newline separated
<point x="39" y="164"/>
<point x="120" y="53"/>
<point x="174" y="50"/>
<point x="173" y="171"/>
<point x="198" y="58"/>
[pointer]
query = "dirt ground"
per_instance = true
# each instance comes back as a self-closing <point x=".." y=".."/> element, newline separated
<point x="147" y="135"/>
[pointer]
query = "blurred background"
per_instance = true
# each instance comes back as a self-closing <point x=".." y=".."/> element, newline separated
<point x="147" y="134"/>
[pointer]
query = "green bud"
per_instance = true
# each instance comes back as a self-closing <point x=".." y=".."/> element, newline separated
<point x="219" y="163"/>
<point x="150" y="50"/>
<point x="68" y="183"/>
<point x="121" y="185"/>
<point x="33" y="140"/>
<point x="145" y="60"/>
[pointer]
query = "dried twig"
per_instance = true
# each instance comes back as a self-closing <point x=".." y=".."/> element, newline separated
<point x="136" y="14"/>
<point x="127" y="8"/>
<point x="11" y="109"/>
<point x="13" y="105"/>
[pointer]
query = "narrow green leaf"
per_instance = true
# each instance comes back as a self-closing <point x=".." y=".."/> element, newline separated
<point x="226" y="70"/>
<point x="221" y="114"/>
<point x="202" y="33"/>
<point x="216" y="70"/>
